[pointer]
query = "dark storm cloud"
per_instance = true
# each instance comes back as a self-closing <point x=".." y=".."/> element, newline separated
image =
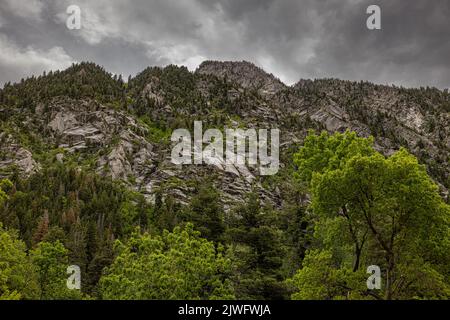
<point x="291" y="38"/>
<point x="412" y="48"/>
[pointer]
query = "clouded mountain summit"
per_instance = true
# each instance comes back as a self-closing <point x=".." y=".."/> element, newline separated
<point x="291" y="39"/>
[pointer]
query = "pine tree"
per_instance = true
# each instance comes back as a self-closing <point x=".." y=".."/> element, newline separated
<point x="42" y="229"/>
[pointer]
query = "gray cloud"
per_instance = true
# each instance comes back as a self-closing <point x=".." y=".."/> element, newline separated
<point x="291" y="38"/>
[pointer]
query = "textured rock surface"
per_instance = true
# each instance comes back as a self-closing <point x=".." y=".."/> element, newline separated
<point x="118" y="144"/>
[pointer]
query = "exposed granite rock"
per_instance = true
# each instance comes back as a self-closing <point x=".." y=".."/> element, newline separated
<point x="122" y="150"/>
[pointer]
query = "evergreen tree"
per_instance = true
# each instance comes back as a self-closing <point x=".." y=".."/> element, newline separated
<point x="206" y="212"/>
<point x="258" y="251"/>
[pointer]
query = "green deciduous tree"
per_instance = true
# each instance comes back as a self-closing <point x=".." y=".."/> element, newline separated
<point x="18" y="277"/>
<point x="51" y="262"/>
<point x="177" y="265"/>
<point x="320" y="279"/>
<point x="372" y="210"/>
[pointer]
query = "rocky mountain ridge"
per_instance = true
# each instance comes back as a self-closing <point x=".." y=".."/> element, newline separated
<point x="83" y="115"/>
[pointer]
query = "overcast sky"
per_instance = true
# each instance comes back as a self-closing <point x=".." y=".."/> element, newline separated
<point x="292" y="39"/>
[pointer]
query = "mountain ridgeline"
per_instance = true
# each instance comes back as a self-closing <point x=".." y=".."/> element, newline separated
<point x="86" y="162"/>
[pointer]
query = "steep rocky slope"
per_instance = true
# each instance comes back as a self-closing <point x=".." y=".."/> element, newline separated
<point x="123" y="130"/>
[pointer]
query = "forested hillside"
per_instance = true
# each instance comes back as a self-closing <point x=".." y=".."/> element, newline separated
<point x="87" y="180"/>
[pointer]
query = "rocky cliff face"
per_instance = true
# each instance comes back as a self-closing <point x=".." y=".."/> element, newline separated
<point x="127" y="136"/>
<point x="245" y="74"/>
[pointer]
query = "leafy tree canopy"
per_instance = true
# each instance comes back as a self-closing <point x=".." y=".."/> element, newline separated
<point x="177" y="265"/>
<point x="373" y="210"/>
<point x="18" y="277"/>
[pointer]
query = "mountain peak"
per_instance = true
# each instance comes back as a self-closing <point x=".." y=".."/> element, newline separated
<point x="247" y="74"/>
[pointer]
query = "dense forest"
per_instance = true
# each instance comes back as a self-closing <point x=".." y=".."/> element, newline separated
<point x="338" y="205"/>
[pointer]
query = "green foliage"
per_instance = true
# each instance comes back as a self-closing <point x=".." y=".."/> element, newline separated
<point x="167" y="212"/>
<point x="177" y="265"/>
<point x="258" y="251"/>
<point x="155" y="132"/>
<point x="206" y="212"/>
<point x="83" y="80"/>
<point x="365" y="209"/>
<point x="51" y="261"/>
<point x="328" y="152"/>
<point x="374" y="210"/>
<point x="319" y="279"/>
<point x="18" y="277"/>
<point x="5" y="184"/>
<point x="80" y="209"/>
